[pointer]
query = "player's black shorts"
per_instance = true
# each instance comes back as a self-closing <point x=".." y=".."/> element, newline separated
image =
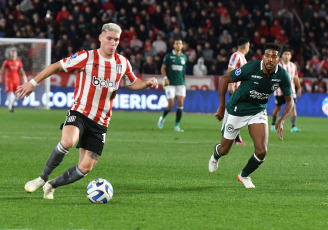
<point x="280" y="100"/>
<point x="92" y="135"/>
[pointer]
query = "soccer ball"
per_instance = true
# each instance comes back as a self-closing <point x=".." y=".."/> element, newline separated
<point x="100" y="191"/>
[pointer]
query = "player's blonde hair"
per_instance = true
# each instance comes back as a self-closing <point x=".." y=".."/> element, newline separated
<point x="111" y="27"/>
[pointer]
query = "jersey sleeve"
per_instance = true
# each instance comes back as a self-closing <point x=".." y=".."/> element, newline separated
<point x="241" y="74"/>
<point x="5" y="64"/>
<point x="129" y="77"/>
<point x="166" y="60"/>
<point x="234" y="59"/>
<point x="285" y="86"/>
<point x="76" y="61"/>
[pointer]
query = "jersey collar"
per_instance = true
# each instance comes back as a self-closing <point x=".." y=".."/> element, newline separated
<point x="274" y="71"/>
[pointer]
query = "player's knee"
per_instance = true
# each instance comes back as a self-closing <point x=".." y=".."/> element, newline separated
<point x="85" y="168"/>
<point x="261" y="152"/>
<point x="68" y="142"/>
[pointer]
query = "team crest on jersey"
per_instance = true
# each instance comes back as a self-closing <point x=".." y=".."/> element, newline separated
<point x="230" y="128"/>
<point x="118" y="68"/>
<point x="275" y="86"/>
<point x="238" y="71"/>
<point x="183" y="61"/>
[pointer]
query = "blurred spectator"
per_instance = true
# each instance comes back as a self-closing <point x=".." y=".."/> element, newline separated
<point x="149" y="67"/>
<point x="315" y="63"/>
<point x="200" y="69"/>
<point x="319" y="86"/>
<point x="257" y="55"/>
<point x="135" y="43"/>
<point x="159" y="45"/>
<point x="63" y="14"/>
<point x="225" y="36"/>
<point x="208" y="54"/>
<point x="275" y="29"/>
<point x="135" y="64"/>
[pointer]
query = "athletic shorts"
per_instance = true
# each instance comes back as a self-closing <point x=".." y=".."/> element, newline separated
<point x="92" y="135"/>
<point x="175" y="90"/>
<point x="231" y="124"/>
<point x="11" y="86"/>
<point x="280" y="100"/>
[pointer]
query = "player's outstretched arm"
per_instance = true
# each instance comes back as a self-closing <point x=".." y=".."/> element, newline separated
<point x="223" y="85"/>
<point x="27" y="88"/>
<point x="288" y="108"/>
<point x="141" y="84"/>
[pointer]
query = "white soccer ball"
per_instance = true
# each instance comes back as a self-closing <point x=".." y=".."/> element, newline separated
<point x="100" y="191"/>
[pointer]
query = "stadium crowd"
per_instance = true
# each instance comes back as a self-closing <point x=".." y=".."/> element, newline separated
<point x="210" y="29"/>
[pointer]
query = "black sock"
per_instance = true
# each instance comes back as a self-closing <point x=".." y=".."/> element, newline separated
<point x="237" y="139"/>
<point x="56" y="157"/>
<point x="216" y="153"/>
<point x="179" y="115"/>
<point x="274" y="118"/>
<point x="293" y="120"/>
<point x="70" y="176"/>
<point x="252" y="164"/>
<point x="166" y="111"/>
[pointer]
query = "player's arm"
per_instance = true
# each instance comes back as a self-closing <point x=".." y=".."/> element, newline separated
<point x="163" y="72"/>
<point x="298" y="85"/>
<point x="142" y="84"/>
<point x="23" y="74"/>
<point x="231" y="89"/>
<point x="223" y="85"/>
<point x="288" y="109"/>
<point x="27" y="88"/>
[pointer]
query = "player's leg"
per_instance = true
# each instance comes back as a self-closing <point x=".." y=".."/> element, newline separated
<point x="229" y="134"/>
<point x="293" y="115"/>
<point x="259" y="134"/>
<point x="70" y="135"/>
<point x="10" y="101"/>
<point x="90" y="147"/>
<point x="279" y="101"/>
<point x="180" y="100"/>
<point x="87" y="160"/>
<point x="170" y="95"/>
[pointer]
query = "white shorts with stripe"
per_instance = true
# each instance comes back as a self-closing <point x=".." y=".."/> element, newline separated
<point x="175" y="90"/>
<point x="231" y="124"/>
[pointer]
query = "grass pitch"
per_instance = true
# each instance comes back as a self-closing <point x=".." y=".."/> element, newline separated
<point x="160" y="178"/>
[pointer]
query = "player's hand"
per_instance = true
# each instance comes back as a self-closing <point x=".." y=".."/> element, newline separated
<point x="299" y="92"/>
<point x="152" y="82"/>
<point x="24" y="90"/>
<point x="219" y="113"/>
<point x="166" y="81"/>
<point x="279" y="128"/>
<point x="230" y="88"/>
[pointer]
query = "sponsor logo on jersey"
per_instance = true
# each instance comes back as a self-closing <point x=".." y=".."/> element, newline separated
<point x="119" y="68"/>
<point x="102" y="83"/>
<point x="70" y="119"/>
<point x="277" y="80"/>
<point x="74" y="56"/>
<point x="230" y="128"/>
<point x="177" y="67"/>
<point x="238" y="71"/>
<point x="257" y="95"/>
<point x="275" y="86"/>
<point x="257" y="77"/>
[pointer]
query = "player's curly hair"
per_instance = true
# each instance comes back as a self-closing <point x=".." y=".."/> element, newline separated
<point x="273" y="46"/>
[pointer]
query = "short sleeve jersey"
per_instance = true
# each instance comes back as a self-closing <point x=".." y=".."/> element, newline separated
<point x="236" y="61"/>
<point x="253" y="94"/>
<point x="97" y="82"/>
<point x="292" y="71"/>
<point x="12" y="67"/>
<point x="175" y="68"/>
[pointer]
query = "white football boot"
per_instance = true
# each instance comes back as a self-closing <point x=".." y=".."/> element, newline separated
<point x="213" y="163"/>
<point x="178" y="129"/>
<point x="160" y="123"/>
<point x="48" y="191"/>
<point x="246" y="181"/>
<point x="33" y="185"/>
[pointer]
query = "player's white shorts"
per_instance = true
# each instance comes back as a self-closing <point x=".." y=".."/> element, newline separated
<point x="231" y="124"/>
<point x="175" y="90"/>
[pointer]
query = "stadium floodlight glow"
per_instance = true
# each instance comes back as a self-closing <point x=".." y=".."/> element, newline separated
<point x="35" y="55"/>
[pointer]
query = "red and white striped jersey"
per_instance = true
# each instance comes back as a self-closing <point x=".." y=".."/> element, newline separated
<point x="292" y="72"/>
<point x="236" y="61"/>
<point x="97" y="82"/>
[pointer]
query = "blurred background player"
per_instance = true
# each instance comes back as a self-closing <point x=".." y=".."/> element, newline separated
<point x="12" y="66"/>
<point x="173" y="70"/>
<point x="236" y="61"/>
<point x="279" y="98"/>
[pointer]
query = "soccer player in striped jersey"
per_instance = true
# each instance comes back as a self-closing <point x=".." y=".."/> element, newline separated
<point x="279" y="100"/>
<point x="247" y="107"/>
<point x="236" y="61"/>
<point x="13" y="67"/>
<point x="99" y="74"/>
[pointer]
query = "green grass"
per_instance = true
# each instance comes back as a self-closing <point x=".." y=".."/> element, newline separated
<point x="160" y="178"/>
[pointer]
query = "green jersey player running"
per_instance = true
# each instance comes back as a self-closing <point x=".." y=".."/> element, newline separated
<point x="247" y="106"/>
<point x="173" y="70"/>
